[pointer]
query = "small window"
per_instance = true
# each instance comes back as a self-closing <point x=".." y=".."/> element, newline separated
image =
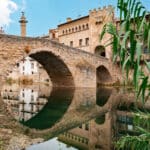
<point x="71" y="43"/>
<point x="79" y="28"/>
<point x="80" y="42"/>
<point x="72" y="29"/>
<point x="63" y="31"/>
<point x="22" y="94"/>
<point x="23" y="68"/>
<point x="17" y="64"/>
<point x="32" y="98"/>
<point x="83" y="27"/>
<point x="32" y="65"/>
<point x="53" y="35"/>
<point x="87" y="41"/>
<point x="87" y="26"/>
<point x="66" y="31"/>
<point x="76" y="29"/>
<point x="86" y="126"/>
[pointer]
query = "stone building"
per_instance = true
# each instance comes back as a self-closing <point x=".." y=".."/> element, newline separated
<point x="28" y="71"/>
<point x="83" y="33"/>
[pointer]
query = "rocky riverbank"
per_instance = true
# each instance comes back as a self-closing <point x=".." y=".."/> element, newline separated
<point x="15" y="141"/>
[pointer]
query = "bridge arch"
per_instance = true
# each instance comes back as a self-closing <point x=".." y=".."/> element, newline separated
<point x="56" y="68"/>
<point x="103" y="75"/>
<point x="14" y="48"/>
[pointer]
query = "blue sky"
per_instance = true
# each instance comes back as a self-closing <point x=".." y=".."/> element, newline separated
<point x="45" y="14"/>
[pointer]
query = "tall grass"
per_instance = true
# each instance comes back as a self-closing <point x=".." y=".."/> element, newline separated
<point x="127" y="45"/>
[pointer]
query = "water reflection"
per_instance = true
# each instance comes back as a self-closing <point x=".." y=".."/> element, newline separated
<point x="78" y="118"/>
<point x="102" y="95"/>
<point x="25" y="102"/>
<point x="56" y="106"/>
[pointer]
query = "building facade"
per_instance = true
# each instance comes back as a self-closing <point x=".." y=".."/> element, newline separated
<point x="29" y="70"/>
<point x="84" y="32"/>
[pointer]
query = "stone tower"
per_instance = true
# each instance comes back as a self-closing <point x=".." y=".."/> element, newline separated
<point x="23" y="22"/>
<point x="97" y="19"/>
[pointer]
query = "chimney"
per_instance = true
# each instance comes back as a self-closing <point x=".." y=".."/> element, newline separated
<point x="23" y="22"/>
<point x="69" y="19"/>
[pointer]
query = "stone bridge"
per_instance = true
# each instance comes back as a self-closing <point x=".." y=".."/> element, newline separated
<point x="66" y="66"/>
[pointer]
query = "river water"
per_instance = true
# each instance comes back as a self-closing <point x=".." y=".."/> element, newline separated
<point x="71" y="118"/>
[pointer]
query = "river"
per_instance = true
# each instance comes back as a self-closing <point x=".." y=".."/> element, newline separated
<point x="71" y="118"/>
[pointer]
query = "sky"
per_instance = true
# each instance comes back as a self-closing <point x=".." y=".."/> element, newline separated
<point x="43" y="15"/>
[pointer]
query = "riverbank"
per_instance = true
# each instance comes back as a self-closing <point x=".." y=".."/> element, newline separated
<point x="15" y="141"/>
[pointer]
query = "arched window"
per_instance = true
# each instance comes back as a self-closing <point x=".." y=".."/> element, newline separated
<point x="87" y="26"/>
<point x="83" y="26"/>
<point x="79" y="28"/>
<point x="72" y="29"/>
<point x="100" y="51"/>
<point x="76" y="29"/>
<point x="53" y="35"/>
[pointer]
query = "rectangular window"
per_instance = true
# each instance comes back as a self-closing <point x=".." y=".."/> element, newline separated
<point x="71" y="43"/>
<point x="87" y="41"/>
<point x="80" y="42"/>
<point x="22" y="94"/>
<point x="32" y="65"/>
<point x="32" y="98"/>
<point x="86" y="126"/>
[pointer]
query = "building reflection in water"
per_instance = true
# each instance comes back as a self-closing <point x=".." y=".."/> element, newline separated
<point x="93" y="135"/>
<point x="98" y="133"/>
<point x="24" y="102"/>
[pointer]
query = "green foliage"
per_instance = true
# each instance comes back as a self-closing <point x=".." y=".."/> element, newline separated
<point x="134" y="142"/>
<point x="1" y="144"/>
<point x="142" y="119"/>
<point x="141" y="142"/>
<point x="128" y="44"/>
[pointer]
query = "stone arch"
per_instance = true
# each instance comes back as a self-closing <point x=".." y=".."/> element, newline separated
<point x="100" y="51"/>
<point x="103" y="75"/>
<point x="57" y="70"/>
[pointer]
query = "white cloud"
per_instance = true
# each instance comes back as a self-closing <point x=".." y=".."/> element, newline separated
<point x="23" y="5"/>
<point x="7" y="7"/>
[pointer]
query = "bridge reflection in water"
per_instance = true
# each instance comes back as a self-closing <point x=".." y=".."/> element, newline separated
<point x="81" y="118"/>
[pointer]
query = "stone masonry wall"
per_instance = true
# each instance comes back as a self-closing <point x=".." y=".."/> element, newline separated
<point x="76" y="67"/>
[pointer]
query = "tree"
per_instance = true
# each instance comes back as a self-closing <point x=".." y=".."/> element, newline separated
<point x="134" y="31"/>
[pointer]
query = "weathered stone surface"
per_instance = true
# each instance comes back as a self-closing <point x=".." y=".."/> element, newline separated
<point x="66" y="66"/>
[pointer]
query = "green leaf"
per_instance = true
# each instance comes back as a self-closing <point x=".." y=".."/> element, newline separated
<point x="142" y="88"/>
<point x="138" y="52"/>
<point x="124" y="41"/>
<point x="148" y="41"/>
<point x="147" y="65"/>
<point x="132" y="45"/>
<point x="103" y="32"/>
